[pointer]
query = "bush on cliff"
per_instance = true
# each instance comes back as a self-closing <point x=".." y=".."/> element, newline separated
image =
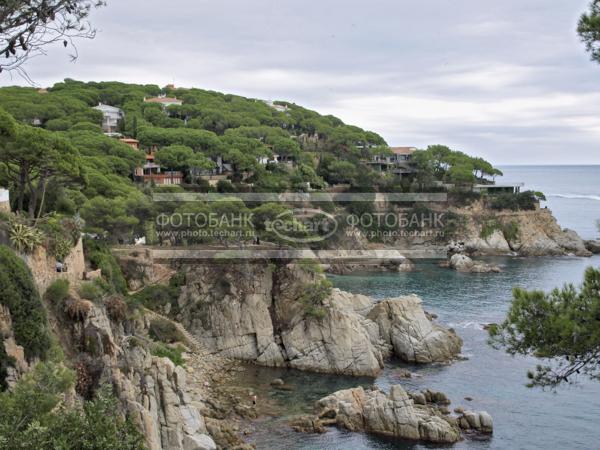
<point x="100" y="257"/>
<point x="522" y="201"/>
<point x="32" y="416"/>
<point x="20" y="295"/>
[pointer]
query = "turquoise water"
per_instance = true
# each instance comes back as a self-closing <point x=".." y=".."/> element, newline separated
<point x="523" y="418"/>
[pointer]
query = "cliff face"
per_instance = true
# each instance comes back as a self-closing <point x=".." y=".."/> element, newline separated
<point x="153" y="390"/>
<point x="484" y="231"/>
<point x="254" y="312"/>
<point x="527" y="233"/>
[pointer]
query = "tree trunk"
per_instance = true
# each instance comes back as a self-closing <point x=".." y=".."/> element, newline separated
<point x="42" y="202"/>
<point x="22" y="182"/>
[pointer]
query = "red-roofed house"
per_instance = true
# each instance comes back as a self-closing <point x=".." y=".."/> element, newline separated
<point x="164" y="101"/>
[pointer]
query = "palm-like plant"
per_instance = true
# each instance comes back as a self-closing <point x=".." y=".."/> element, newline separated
<point x="24" y="238"/>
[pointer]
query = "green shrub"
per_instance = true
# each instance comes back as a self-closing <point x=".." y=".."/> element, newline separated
<point x="57" y="292"/>
<point x="310" y="266"/>
<point x="165" y="331"/>
<point x="20" y="295"/>
<point x="32" y="416"/>
<point x="100" y="257"/>
<point x="173" y="353"/>
<point x="158" y="298"/>
<point x="522" y="201"/>
<point x="510" y="231"/>
<point x="90" y="290"/>
<point x="488" y="228"/>
<point x="312" y="298"/>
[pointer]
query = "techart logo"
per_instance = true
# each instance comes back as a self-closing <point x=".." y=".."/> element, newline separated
<point x="303" y="225"/>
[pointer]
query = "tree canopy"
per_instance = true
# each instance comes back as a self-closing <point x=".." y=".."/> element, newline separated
<point x="589" y="30"/>
<point x="562" y="327"/>
<point x="27" y="27"/>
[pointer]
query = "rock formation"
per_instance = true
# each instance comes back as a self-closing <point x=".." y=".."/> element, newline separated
<point x="462" y="263"/>
<point x="422" y="416"/>
<point x="593" y="246"/>
<point x="414" y="338"/>
<point x="258" y="313"/>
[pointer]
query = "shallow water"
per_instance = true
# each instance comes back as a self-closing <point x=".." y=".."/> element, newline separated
<point x="523" y="418"/>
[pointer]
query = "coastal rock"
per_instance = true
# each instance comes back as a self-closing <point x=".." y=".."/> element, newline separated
<point x="394" y="415"/>
<point x="494" y="244"/>
<point x="414" y="338"/>
<point x="462" y="263"/>
<point x="476" y="421"/>
<point x="593" y="246"/>
<point x="257" y="313"/>
<point x="571" y="242"/>
<point x="406" y="266"/>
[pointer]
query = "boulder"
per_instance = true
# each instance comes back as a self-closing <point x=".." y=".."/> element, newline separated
<point x="414" y="338"/>
<point x="462" y="263"/>
<point x="406" y="266"/>
<point x="593" y="246"/>
<point x="393" y="415"/>
<point x="476" y="421"/>
<point x="571" y="242"/>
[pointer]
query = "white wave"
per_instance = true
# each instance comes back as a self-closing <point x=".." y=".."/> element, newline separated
<point x="576" y="196"/>
<point x="467" y="324"/>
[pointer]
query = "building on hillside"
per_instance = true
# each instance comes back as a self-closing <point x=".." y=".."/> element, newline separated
<point x="133" y="143"/>
<point x="500" y="188"/>
<point x="4" y="200"/>
<point x="111" y="117"/>
<point x="275" y="159"/>
<point x="399" y="162"/>
<point x="150" y="172"/>
<point x="164" y="101"/>
<point x="276" y="107"/>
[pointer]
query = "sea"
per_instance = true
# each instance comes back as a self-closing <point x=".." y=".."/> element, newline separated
<point x="488" y="379"/>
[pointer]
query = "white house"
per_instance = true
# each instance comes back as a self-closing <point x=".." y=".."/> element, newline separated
<point x="111" y="115"/>
<point x="4" y="200"/>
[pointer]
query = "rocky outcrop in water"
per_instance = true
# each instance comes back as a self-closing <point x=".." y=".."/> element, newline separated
<point x="413" y="336"/>
<point x="420" y="416"/>
<point x="394" y="414"/>
<point x="593" y="246"/>
<point x="462" y="263"/>
<point x="258" y="312"/>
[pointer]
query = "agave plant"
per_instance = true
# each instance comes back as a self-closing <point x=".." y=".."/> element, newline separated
<point x="24" y="238"/>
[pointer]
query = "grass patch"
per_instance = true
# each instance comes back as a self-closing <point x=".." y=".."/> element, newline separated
<point x="173" y="353"/>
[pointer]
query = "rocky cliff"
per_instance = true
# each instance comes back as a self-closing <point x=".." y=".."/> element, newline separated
<point x="483" y="231"/>
<point x="258" y="312"/>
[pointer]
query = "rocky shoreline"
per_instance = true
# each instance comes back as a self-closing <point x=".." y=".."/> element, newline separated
<point x="260" y="317"/>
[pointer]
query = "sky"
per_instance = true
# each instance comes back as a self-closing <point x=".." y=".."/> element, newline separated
<point x="508" y="81"/>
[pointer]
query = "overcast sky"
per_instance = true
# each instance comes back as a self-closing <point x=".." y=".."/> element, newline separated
<point x="507" y="80"/>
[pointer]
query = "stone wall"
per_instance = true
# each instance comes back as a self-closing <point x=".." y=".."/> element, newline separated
<point x="43" y="266"/>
